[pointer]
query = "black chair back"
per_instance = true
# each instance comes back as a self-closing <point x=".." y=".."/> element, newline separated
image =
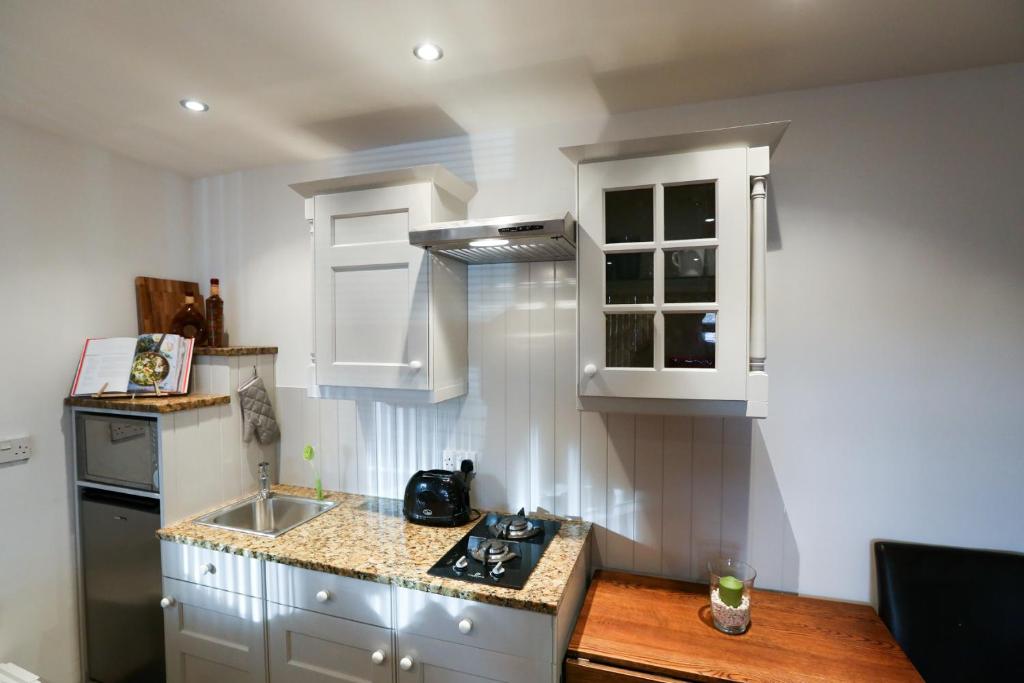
<point x="958" y="613"/>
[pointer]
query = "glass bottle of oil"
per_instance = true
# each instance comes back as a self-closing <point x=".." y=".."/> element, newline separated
<point x="189" y="322"/>
<point x="215" y="315"/>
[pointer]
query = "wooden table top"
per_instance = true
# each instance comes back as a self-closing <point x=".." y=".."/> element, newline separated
<point x="664" y="627"/>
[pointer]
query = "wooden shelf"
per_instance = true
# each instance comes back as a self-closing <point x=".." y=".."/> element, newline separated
<point x="150" y="404"/>
<point x="234" y="350"/>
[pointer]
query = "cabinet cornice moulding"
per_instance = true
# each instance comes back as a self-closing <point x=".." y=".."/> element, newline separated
<point x="435" y="173"/>
<point x="754" y="135"/>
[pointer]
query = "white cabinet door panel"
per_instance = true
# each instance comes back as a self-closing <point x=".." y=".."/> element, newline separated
<point x="372" y="289"/>
<point x="664" y="309"/>
<point x="213" y="636"/>
<point x="435" y="661"/>
<point x="307" y="647"/>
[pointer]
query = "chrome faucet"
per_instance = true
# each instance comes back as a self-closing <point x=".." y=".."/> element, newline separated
<point x="264" y="470"/>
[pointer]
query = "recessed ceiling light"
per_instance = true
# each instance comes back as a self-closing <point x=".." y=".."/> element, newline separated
<point x="428" y="52"/>
<point x="194" y="105"/>
<point x="488" y="242"/>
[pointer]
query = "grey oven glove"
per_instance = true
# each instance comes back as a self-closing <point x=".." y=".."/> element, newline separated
<point x="257" y="412"/>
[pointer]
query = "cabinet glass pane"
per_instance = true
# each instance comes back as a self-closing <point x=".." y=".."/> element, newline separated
<point x="629" y="340"/>
<point x="690" y="340"/>
<point x="629" y="215"/>
<point x="629" y="278"/>
<point x="689" y="211"/>
<point x="690" y="276"/>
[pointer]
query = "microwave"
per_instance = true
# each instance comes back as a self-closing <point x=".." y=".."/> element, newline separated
<point x="118" y="450"/>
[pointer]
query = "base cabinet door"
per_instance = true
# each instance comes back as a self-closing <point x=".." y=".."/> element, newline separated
<point x="212" y="635"/>
<point x="425" y="660"/>
<point x="309" y="647"/>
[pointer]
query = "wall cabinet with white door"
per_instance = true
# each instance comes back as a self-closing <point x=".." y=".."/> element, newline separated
<point x="390" y="319"/>
<point x="671" y="268"/>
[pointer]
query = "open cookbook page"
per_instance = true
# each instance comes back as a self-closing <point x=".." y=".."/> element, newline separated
<point x="104" y="366"/>
<point x="161" y="360"/>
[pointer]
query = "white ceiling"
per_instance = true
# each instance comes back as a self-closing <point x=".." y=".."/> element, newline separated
<point x="310" y="79"/>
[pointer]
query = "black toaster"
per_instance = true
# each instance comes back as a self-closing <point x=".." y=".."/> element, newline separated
<point x="439" y="497"/>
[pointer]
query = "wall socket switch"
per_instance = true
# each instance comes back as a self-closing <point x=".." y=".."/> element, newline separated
<point x="13" y="450"/>
<point x="452" y="459"/>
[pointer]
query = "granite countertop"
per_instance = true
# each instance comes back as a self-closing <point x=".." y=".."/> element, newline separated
<point x="234" y="350"/>
<point x="151" y="404"/>
<point x="368" y="538"/>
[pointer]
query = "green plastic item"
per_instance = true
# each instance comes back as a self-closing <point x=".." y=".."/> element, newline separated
<point x="308" y="454"/>
<point x="730" y="591"/>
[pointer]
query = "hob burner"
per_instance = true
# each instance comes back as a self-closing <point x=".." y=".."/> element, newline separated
<point x="493" y="550"/>
<point x="516" y="527"/>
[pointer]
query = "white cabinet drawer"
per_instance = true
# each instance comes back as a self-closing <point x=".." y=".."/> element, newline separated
<point x="212" y="568"/>
<point x="489" y="627"/>
<point x="425" y="660"/>
<point x="307" y="647"/>
<point x="339" y="596"/>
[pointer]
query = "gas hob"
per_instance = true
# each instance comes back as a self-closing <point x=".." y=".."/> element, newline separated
<point x="500" y="550"/>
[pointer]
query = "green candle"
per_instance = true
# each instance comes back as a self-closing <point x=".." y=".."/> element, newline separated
<point x="730" y="591"/>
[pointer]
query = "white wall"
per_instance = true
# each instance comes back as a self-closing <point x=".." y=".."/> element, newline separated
<point x="667" y="493"/>
<point x="895" y="283"/>
<point x="77" y="224"/>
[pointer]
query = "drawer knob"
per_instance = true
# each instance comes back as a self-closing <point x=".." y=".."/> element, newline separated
<point x="377" y="657"/>
<point x="589" y="369"/>
<point x="167" y="602"/>
<point x="323" y="596"/>
<point x="207" y="569"/>
<point x="405" y="663"/>
<point x="465" y="626"/>
<point x="415" y="365"/>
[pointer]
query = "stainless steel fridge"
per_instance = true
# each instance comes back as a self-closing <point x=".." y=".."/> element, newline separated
<point x="124" y="632"/>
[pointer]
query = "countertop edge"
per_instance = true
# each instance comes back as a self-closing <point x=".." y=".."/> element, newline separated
<point x="150" y="404"/>
<point x="222" y="351"/>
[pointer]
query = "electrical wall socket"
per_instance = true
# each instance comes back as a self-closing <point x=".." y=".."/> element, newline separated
<point x="13" y="450"/>
<point x="452" y="458"/>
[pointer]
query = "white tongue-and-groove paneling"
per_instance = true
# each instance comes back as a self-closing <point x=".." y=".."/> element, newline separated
<point x="665" y="493"/>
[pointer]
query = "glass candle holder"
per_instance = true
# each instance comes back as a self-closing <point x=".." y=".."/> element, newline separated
<point x="730" y="584"/>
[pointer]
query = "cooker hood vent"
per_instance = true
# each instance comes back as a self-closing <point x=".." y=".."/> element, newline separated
<point x="507" y="239"/>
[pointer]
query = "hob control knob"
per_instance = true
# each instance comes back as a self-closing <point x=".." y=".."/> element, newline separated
<point x="377" y="657"/>
<point x="167" y="602"/>
<point x="323" y="596"/>
<point x="465" y="626"/>
<point x="405" y="663"/>
<point x="207" y="569"/>
<point x="461" y="564"/>
<point x="497" y="571"/>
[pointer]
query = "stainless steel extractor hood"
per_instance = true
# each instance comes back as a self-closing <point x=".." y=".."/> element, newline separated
<point x="501" y="240"/>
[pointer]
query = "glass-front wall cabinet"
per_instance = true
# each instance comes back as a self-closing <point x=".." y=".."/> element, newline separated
<point x="664" y="249"/>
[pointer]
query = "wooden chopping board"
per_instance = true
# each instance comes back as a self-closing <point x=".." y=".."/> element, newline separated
<point x="157" y="301"/>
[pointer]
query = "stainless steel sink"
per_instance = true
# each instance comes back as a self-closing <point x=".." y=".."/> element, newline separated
<point x="270" y="516"/>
